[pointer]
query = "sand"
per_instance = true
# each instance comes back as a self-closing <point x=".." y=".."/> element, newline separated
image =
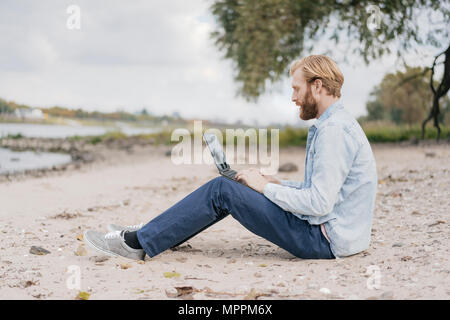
<point x="408" y="257"/>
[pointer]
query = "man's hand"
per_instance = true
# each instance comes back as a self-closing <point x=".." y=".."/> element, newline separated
<point x="254" y="179"/>
<point x="271" y="179"/>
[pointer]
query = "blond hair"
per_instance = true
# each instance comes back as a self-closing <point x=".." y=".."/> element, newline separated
<point x="321" y="67"/>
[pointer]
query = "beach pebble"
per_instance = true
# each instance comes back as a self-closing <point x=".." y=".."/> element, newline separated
<point x="38" y="251"/>
<point x="99" y="259"/>
<point x="288" y="167"/>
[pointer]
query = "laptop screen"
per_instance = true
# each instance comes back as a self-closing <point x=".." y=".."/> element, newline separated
<point x="216" y="150"/>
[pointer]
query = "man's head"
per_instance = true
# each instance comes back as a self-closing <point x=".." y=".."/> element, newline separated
<point x="316" y="83"/>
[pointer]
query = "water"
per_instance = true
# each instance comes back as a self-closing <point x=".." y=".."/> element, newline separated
<point x="12" y="161"/>
<point x="63" y="131"/>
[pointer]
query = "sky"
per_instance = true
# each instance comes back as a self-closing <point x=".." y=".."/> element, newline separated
<point x="147" y="54"/>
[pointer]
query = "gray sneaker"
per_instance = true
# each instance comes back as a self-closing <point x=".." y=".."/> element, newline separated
<point x="114" y="227"/>
<point x="112" y="244"/>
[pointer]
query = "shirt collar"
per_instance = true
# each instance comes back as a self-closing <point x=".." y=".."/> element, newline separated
<point x="328" y="112"/>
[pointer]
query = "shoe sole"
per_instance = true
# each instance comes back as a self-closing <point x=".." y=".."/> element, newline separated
<point x="110" y="229"/>
<point x="93" y="246"/>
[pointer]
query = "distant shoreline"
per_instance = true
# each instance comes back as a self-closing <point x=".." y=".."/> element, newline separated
<point x="90" y="149"/>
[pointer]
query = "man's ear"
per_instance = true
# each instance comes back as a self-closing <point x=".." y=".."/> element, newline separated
<point x="318" y="85"/>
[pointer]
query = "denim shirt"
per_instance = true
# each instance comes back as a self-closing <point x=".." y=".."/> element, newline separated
<point x="340" y="183"/>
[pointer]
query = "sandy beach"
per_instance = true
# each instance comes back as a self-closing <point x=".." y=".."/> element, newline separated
<point x="408" y="257"/>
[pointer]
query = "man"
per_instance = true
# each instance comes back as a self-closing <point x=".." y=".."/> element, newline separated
<point x="327" y="216"/>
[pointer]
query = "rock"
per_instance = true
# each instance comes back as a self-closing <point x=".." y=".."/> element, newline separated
<point x="99" y="259"/>
<point x="125" y="266"/>
<point x="171" y="292"/>
<point x="288" y="167"/>
<point x="430" y="154"/>
<point x="38" y="251"/>
<point x="397" y="244"/>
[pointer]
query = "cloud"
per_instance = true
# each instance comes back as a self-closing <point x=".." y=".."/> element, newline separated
<point x="153" y="54"/>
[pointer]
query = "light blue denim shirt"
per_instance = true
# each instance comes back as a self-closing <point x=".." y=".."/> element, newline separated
<point x="340" y="183"/>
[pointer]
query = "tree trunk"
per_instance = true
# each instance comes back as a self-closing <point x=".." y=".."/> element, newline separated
<point x="438" y="93"/>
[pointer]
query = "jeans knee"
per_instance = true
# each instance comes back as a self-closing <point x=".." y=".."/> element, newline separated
<point x="219" y="182"/>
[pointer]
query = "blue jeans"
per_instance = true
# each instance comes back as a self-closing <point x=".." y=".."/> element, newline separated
<point x="214" y="201"/>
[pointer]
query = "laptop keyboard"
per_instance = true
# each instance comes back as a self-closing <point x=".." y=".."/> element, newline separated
<point x="229" y="173"/>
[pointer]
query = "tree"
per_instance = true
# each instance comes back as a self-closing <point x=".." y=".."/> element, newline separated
<point x="402" y="97"/>
<point x="262" y="37"/>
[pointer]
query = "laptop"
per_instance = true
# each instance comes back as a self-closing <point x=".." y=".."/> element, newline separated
<point x="219" y="156"/>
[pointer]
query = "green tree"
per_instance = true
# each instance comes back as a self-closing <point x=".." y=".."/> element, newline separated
<point x="402" y="97"/>
<point x="262" y="37"/>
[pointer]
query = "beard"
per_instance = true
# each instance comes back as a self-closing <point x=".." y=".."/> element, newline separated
<point x="309" y="106"/>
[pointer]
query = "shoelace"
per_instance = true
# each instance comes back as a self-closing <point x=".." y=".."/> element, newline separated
<point x="113" y="234"/>
<point x="136" y="226"/>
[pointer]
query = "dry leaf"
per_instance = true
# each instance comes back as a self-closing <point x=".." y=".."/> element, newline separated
<point x="262" y="265"/>
<point x="253" y="295"/>
<point x="80" y="237"/>
<point x="125" y="266"/>
<point x="437" y="223"/>
<point x="81" y="251"/>
<point x="171" y="274"/>
<point x="406" y="258"/>
<point x="82" y="295"/>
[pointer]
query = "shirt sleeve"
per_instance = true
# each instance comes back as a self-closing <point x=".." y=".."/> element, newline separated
<point x="292" y="183"/>
<point x="335" y="150"/>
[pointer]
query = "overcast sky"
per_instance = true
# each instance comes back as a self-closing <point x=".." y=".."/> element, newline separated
<point x="154" y="54"/>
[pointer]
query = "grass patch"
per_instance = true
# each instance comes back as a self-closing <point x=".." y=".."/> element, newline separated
<point x="382" y="134"/>
<point x="289" y="136"/>
<point x="14" y="136"/>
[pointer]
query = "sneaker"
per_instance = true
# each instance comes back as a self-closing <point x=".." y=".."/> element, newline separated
<point x="112" y="244"/>
<point x="115" y="227"/>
